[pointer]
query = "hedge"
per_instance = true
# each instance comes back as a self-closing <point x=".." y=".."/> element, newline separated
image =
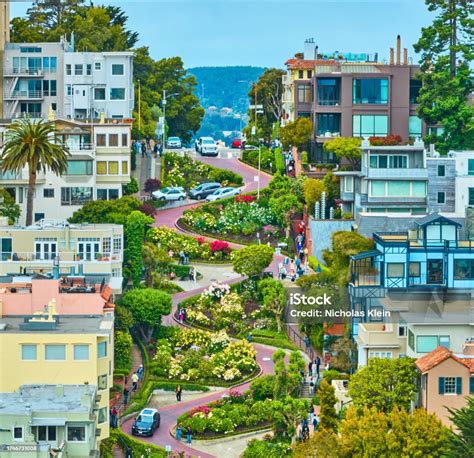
<point x="279" y="162"/>
<point x="137" y="447"/>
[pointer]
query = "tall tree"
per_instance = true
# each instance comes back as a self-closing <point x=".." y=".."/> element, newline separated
<point x="447" y="53"/>
<point x="461" y="442"/>
<point x="327" y="400"/>
<point x="347" y="148"/>
<point x="33" y="144"/>
<point x="8" y="206"/>
<point x="297" y="133"/>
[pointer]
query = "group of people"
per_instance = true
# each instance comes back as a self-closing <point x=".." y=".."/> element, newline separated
<point x="137" y="377"/>
<point x="183" y="257"/>
<point x="147" y="145"/>
<point x="182" y="313"/>
<point x="312" y="419"/>
<point x="294" y="268"/>
<point x="289" y="164"/>
<point x="189" y="434"/>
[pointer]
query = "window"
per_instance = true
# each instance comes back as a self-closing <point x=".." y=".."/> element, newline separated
<point x="29" y="352"/>
<point x="444" y="341"/>
<point x="348" y="184"/>
<point x="380" y="354"/>
<point x="117" y="245"/>
<point x="304" y="93"/>
<point x="106" y="245"/>
<point x="395" y="270"/>
<point x="414" y="269"/>
<point x="75" y="196"/>
<point x="303" y="114"/>
<point x="97" y="66"/>
<point x="76" y="433"/>
<point x="411" y="340"/>
<point x="402" y="330"/>
<point x="414" y="126"/>
<point x="124" y="168"/>
<point x="38" y="217"/>
<point x="102" y="382"/>
<point x="450" y="385"/>
<point x="441" y="197"/>
<point x="117" y="69"/>
<point x="309" y="73"/>
<point x="101" y="168"/>
<point x="78" y="69"/>
<point x="113" y="194"/>
<point x="117" y="93"/>
<point x="300" y="74"/>
<point x="107" y="194"/>
<point x="79" y="168"/>
<point x="369" y="125"/>
<point x="48" y="193"/>
<point x="88" y="69"/>
<point x="102" y="194"/>
<point x="382" y="161"/>
<point x="46" y="433"/>
<point x="116" y="272"/>
<point x="18" y="433"/>
<point x="470" y="166"/>
<point x="113" y="168"/>
<point x="370" y="90"/>
<point x="397" y="188"/>
<point x="471" y="196"/>
<point x="441" y="170"/>
<point x="471" y="385"/>
<point x="102" y="417"/>
<point x="124" y="140"/>
<point x="99" y="93"/>
<point x="81" y="352"/>
<point x="100" y="140"/>
<point x="28" y="49"/>
<point x="69" y="90"/>
<point x="415" y="86"/>
<point x="377" y="188"/>
<point x="102" y="349"/>
<point x="464" y="269"/>
<point x="55" y="352"/>
<point x="68" y="69"/>
<point x="113" y="140"/>
<point x="425" y="344"/>
<point x="328" y="123"/>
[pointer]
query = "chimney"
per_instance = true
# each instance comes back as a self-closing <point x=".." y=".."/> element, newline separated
<point x="60" y="391"/>
<point x="309" y="48"/>
<point x="405" y="56"/>
<point x="399" y="50"/>
<point x="468" y="348"/>
<point x="392" y="56"/>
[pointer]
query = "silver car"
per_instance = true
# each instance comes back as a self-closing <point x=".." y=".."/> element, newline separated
<point x="223" y="193"/>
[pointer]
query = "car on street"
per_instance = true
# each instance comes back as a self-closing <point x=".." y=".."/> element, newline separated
<point x="206" y="146"/>
<point x="174" y="142"/>
<point x="203" y="190"/>
<point x="222" y="193"/>
<point x="170" y="193"/>
<point x="147" y="422"/>
<point x="236" y="143"/>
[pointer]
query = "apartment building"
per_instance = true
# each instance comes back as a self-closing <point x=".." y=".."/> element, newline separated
<point x="42" y="421"/>
<point x="447" y="378"/>
<point x="98" y="166"/>
<point x="352" y="95"/>
<point x="412" y="292"/>
<point x="43" y="77"/>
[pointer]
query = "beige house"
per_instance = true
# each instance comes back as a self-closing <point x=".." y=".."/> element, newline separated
<point x="446" y="380"/>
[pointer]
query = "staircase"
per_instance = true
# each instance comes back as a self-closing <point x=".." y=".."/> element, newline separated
<point x="117" y="451"/>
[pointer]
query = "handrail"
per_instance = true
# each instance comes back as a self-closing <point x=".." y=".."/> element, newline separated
<point x="125" y="447"/>
<point x="299" y="341"/>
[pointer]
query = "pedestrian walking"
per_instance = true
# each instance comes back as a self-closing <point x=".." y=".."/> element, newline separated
<point x="143" y="147"/>
<point x="140" y="372"/>
<point x="189" y="435"/>
<point x="307" y="342"/>
<point x="181" y="257"/>
<point x="181" y="316"/>
<point x="317" y="363"/>
<point x="249" y="337"/>
<point x="113" y="417"/>
<point x="179" y="433"/>
<point x="125" y="396"/>
<point x="194" y="275"/>
<point x="155" y="149"/>
<point x="134" y="381"/>
<point x="315" y="422"/>
<point x="310" y="368"/>
<point x="179" y="392"/>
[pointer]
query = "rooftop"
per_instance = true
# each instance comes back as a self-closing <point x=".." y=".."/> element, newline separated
<point x="48" y="399"/>
<point x="61" y="225"/>
<point x="440" y="354"/>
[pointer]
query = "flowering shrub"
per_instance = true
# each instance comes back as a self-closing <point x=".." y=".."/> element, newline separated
<point x="219" y="245"/>
<point x="216" y="290"/>
<point x="201" y="240"/>
<point x="244" y="198"/>
<point x="389" y="140"/>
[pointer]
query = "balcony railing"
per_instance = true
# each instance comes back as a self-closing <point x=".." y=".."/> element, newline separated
<point x="32" y="115"/>
<point x="24" y="95"/>
<point x="23" y="256"/>
<point x="16" y="71"/>
<point x="80" y="147"/>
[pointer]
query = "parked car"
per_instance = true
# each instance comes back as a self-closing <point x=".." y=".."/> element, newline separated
<point x="206" y="146"/>
<point x="236" y="143"/>
<point x="203" y="190"/>
<point x="222" y="193"/>
<point x="147" y="422"/>
<point x="174" y="142"/>
<point x="170" y="193"/>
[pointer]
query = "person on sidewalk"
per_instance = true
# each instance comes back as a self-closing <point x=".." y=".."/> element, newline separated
<point x="125" y="395"/>
<point x="179" y="433"/>
<point x="315" y="422"/>
<point x="317" y="363"/>
<point x="310" y="368"/>
<point x="113" y="417"/>
<point x="189" y="435"/>
<point x="179" y="392"/>
<point x="140" y="372"/>
<point x="134" y="381"/>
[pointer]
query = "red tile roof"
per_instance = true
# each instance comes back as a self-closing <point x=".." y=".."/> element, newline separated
<point x="335" y="329"/>
<point x="106" y="293"/>
<point x="437" y="356"/>
<point x="302" y="64"/>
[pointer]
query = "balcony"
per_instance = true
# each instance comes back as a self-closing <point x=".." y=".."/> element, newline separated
<point x="64" y="257"/>
<point x="31" y="115"/>
<point x="24" y="95"/>
<point x="34" y="72"/>
<point x="83" y="147"/>
<point x="379" y="334"/>
<point x="397" y="173"/>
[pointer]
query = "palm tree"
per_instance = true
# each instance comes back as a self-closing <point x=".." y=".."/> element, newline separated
<point x="33" y="144"/>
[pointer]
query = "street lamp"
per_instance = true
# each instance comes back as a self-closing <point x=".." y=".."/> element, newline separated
<point x="163" y="102"/>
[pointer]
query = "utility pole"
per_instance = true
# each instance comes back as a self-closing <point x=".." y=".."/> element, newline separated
<point x="139" y="111"/>
<point x="163" y="145"/>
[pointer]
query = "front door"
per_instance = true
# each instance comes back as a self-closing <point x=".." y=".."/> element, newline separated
<point x="435" y="271"/>
<point x="45" y="251"/>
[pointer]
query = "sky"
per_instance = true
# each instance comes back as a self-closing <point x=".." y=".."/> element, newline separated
<point x="267" y="32"/>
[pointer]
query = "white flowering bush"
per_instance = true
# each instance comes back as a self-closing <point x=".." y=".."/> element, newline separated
<point x="216" y="290"/>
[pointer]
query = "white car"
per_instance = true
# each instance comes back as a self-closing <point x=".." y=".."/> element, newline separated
<point x="174" y="142"/>
<point x="206" y="146"/>
<point x="170" y="193"/>
<point x="223" y="193"/>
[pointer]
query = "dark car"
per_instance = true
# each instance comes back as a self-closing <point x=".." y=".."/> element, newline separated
<point x="203" y="190"/>
<point x="146" y="423"/>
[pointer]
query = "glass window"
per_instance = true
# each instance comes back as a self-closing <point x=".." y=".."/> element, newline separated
<point x="395" y="270"/>
<point x="100" y="140"/>
<point x="328" y="123"/>
<point x="46" y="433"/>
<point x="18" y="433"/>
<point x="425" y="344"/>
<point x="117" y="245"/>
<point x="68" y="69"/>
<point x="124" y="168"/>
<point x="450" y="385"/>
<point x="117" y="93"/>
<point x="414" y="126"/>
<point x="471" y="196"/>
<point x="76" y="433"/>
<point x="46" y="64"/>
<point x="300" y="74"/>
<point x="441" y="197"/>
<point x="75" y="196"/>
<point x="81" y="352"/>
<point x="411" y="340"/>
<point x="117" y="69"/>
<point x="48" y="192"/>
<point x="124" y="140"/>
<point x="398" y="189"/>
<point x="97" y="66"/>
<point x="309" y="73"/>
<point x="29" y="352"/>
<point x="441" y="170"/>
<point x="463" y="269"/>
<point x="470" y="166"/>
<point x="348" y="184"/>
<point x="415" y="86"/>
<point x="418" y="189"/>
<point x="444" y="341"/>
<point x="113" y="168"/>
<point x="369" y="125"/>
<point x="99" y="93"/>
<point x="102" y="382"/>
<point x="79" y="168"/>
<point x="370" y="90"/>
<point x="53" y="64"/>
<point x="414" y="269"/>
<point x="102" y="349"/>
<point x="101" y="168"/>
<point x="304" y="93"/>
<point x="88" y="69"/>
<point x="113" y="194"/>
<point x="328" y="91"/>
<point x="113" y="140"/>
<point x="55" y="352"/>
<point x="78" y="69"/>
<point x="102" y="193"/>
<point x="102" y="418"/>
<point x="377" y="188"/>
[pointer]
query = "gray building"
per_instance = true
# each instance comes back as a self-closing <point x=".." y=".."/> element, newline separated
<point x="441" y="184"/>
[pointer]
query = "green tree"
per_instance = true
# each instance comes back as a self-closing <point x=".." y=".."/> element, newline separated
<point x="461" y="442"/>
<point x="327" y="402"/>
<point x="384" y="384"/>
<point x="131" y="187"/>
<point x="447" y="52"/>
<point x="122" y="348"/>
<point x="273" y="295"/>
<point x="147" y="307"/>
<point x="156" y="263"/>
<point x="287" y="413"/>
<point x="263" y="387"/>
<point x="297" y="133"/>
<point x="313" y="190"/>
<point x="8" y="206"/>
<point x="252" y="260"/>
<point x="343" y="351"/>
<point x="29" y="144"/>
<point x="332" y="188"/>
<point x="324" y="443"/>
<point x="284" y="207"/>
<point x="347" y="148"/>
<point x="123" y="319"/>
<point x="135" y="230"/>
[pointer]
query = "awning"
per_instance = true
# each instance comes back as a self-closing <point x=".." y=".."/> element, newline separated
<point x="80" y="157"/>
<point x="48" y="422"/>
<point x="366" y="254"/>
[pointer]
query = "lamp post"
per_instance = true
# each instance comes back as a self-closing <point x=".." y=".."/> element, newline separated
<point x="165" y="98"/>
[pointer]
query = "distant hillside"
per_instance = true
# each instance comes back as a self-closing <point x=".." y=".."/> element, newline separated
<point x="224" y="86"/>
